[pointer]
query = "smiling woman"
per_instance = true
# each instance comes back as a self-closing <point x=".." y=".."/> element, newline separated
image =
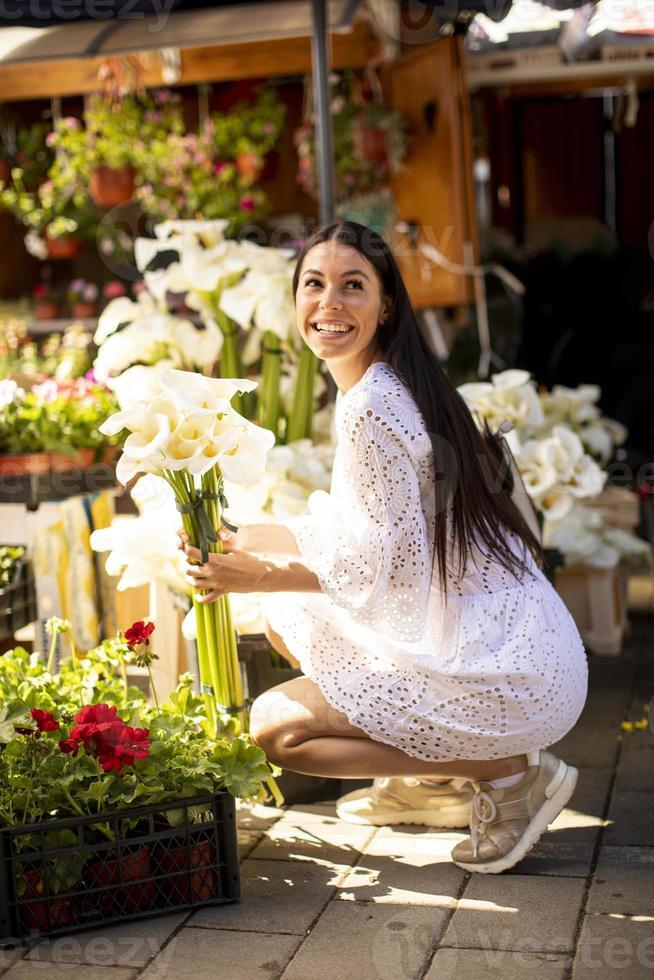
<point x="434" y="648"/>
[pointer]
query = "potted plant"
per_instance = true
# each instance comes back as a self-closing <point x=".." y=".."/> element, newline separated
<point x="47" y="302"/>
<point x="369" y="141"/>
<point x="53" y="426"/>
<point x="57" y="216"/>
<point x="249" y="132"/>
<point x="144" y="792"/>
<point x="83" y="298"/>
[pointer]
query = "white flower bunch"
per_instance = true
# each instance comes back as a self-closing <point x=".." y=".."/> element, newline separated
<point x="10" y="392"/>
<point x="148" y="335"/>
<point x="191" y="426"/>
<point x="293" y="472"/>
<point x="584" y="536"/>
<point x="556" y="471"/>
<point x="510" y="396"/>
<point x="577" y="408"/>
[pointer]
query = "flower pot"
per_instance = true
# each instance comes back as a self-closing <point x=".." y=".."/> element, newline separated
<point x="85" y="457"/>
<point x="63" y="246"/>
<point x="370" y="143"/>
<point x="84" y="311"/>
<point x="47" y="310"/>
<point x="123" y="885"/>
<point x="62" y="462"/>
<point x="249" y="166"/>
<point x="111" y="186"/>
<point x="41" y="913"/>
<point x="188" y="875"/>
<point x="25" y="464"/>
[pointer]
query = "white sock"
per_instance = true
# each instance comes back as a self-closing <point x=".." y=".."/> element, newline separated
<point x="507" y="780"/>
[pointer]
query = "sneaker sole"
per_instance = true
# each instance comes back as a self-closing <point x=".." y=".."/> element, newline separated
<point x="454" y="818"/>
<point x="548" y="812"/>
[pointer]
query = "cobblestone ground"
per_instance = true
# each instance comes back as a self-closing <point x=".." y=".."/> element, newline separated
<point x="323" y="899"/>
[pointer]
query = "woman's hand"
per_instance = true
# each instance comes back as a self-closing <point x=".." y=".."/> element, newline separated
<point x="235" y="570"/>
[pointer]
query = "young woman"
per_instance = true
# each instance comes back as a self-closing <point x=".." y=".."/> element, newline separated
<point x="432" y="645"/>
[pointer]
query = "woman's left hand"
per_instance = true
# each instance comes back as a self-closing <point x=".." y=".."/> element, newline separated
<point x="233" y="571"/>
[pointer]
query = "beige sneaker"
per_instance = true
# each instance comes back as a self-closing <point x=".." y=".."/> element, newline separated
<point x="506" y="823"/>
<point x="403" y="799"/>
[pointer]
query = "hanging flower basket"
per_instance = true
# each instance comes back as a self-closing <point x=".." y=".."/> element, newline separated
<point x="370" y="143"/>
<point x="249" y="166"/>
<point x="109" y="186"/>
<point x="63" y="246"/>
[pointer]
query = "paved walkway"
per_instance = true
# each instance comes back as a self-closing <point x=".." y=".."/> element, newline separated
<point x="323" y="899"/>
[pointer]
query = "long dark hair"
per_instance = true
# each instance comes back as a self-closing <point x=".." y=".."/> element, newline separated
<point x="472" y="469"/>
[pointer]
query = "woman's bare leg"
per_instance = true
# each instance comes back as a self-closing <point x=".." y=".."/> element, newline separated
<point x="279" y="646"/>
<point x="298" y="729"/>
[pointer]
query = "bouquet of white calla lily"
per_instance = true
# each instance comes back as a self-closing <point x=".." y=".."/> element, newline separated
<point x="139" y="383"/>
<point x="195" y="394"/>
<point x="191" y="436"/>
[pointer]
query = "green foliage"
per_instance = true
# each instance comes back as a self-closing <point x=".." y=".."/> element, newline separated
<point x="62" y="356"/>
<point x="61" y="418"/>
<point x="8" y="559"/>
<point x="39" y="780"/>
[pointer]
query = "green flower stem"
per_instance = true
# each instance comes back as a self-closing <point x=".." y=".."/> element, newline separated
<point x="301" y="417"/>
<point x="51" y="653"/>
<point x="268" y="404"/>
<point x="154" y="690"/>
<point x="230" y="357"/>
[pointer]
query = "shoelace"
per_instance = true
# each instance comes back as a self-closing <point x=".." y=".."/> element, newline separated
<point x="484" y="812"/>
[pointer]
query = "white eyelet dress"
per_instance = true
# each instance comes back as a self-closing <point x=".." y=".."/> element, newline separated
<point x="498" y="670"/>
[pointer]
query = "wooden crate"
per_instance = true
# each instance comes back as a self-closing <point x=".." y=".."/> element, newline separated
<point x="597" y="600"/>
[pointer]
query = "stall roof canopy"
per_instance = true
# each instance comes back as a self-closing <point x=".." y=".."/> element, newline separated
<point x="122" y="27"/>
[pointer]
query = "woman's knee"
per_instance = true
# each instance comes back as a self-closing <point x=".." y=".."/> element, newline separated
<point x="275" y="726"/>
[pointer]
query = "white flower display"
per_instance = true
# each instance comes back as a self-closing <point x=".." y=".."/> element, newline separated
<point x="556" y="471"/>
<point x="148" y="336"/>
<point x="584" y="536"/>
<point x="293" y="472"/>
<point x="510" y="396"/>
<point x="577" y="408"/>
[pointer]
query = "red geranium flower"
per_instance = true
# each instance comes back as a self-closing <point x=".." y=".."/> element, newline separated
<point x="69" y="745"/>
<point x="45" y="722"/>
<point x="138" y="633"/>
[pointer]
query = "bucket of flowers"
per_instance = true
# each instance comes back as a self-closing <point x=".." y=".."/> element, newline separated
<point x="112" y="807"/>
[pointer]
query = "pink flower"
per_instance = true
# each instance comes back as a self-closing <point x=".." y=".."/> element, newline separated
<point x="71" y="123"/>
<point x="40" y="291"/>
<point x="50" y="139"/>
<point x="114" y="289"/>
<point x="219" y="166"/>
<point x="247" y="204"/>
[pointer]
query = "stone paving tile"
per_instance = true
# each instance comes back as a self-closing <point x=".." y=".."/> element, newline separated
<point x="517" y="912"/>
<point x="494" y="964"/>
<point x="247" y="841"/>
<point x="636" y="766"/>
<point x="28" y="970"/>
<point x="623" y="882"/>
<point x="200" y="954"/>
<point x="552" y="857"/>
<point x="631" y="820"/>
<point x="132" y="944"/>
<point x="613" y="947"/>
<point x="257" y="816"/>
<point x="311" y="835"/>
<point x="9" y="956"/>
<point x="592" y="745"/>
<point x="368" y="942"/>
<point x="277" y="897"/>
<point x="406" y="869"/>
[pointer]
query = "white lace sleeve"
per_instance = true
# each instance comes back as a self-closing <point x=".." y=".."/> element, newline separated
<point x="367" y="540"/>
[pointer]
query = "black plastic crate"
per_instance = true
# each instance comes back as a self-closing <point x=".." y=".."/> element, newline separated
<point x="18" y="600"/>
<point x="61" y="876"/>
